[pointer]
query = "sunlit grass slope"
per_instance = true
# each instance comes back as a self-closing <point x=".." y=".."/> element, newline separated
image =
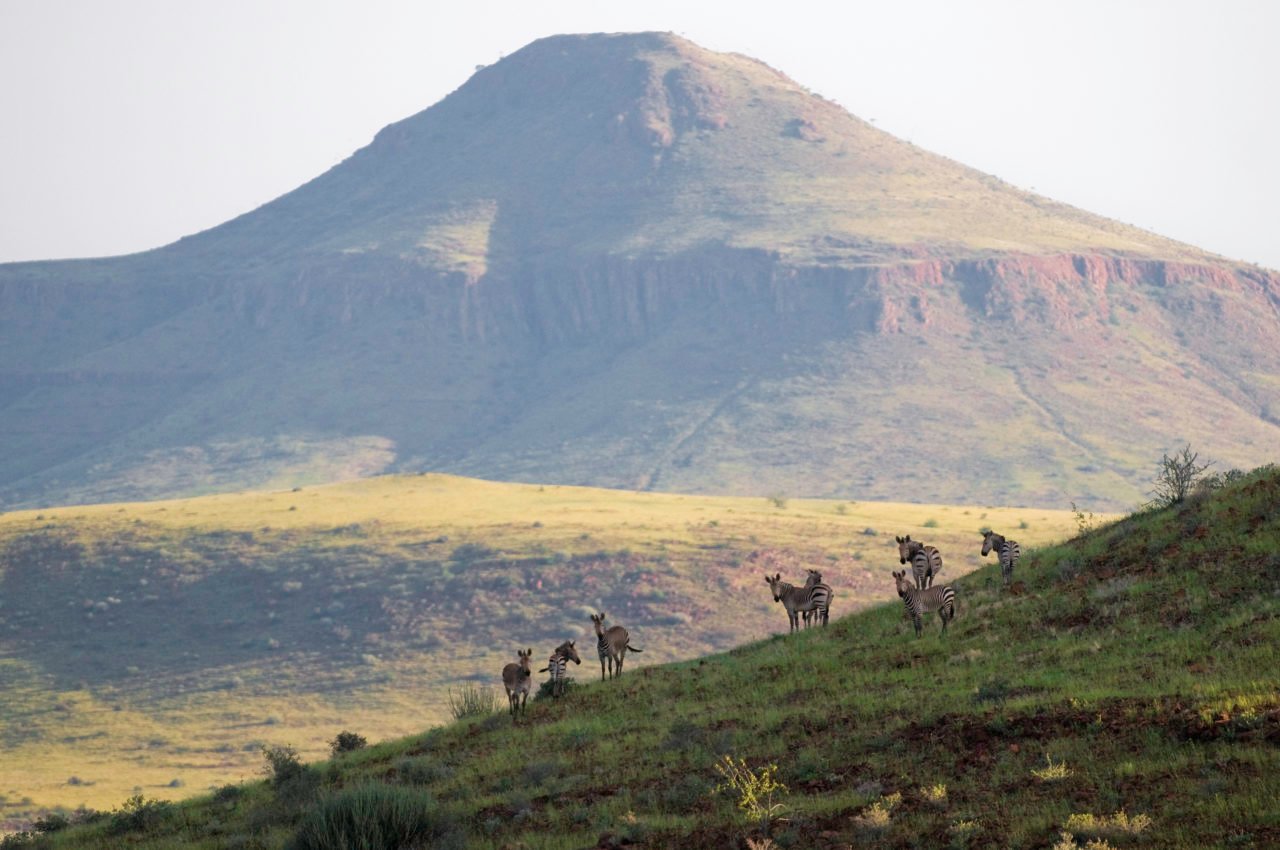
<point x="1126" y="693"/>
<point x="153" y="647"/>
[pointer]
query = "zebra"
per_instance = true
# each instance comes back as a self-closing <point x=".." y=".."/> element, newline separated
<point x="556" y="664"/>
<point x="516" y="678"/>
<point x="612" y="644"/>
<point x="814" y="579"/>
<point x="1008" y="551"/>
<point x="919" y="601"/>
<point x="814" y="597"/>
<point x="926" y="561"/>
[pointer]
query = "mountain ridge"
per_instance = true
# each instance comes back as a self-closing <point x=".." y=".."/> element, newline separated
<point x="695" y="220"/>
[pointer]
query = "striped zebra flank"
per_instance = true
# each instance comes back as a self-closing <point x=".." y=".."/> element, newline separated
<point x="612" y="644"/>
<point x="925" y="560"/>
<point x="557" y="664"/>
<point x="1008" y="551"/>
<point x="815" y="597"/>
<point x="516" y="679"/>
<point x="920" y="601"/>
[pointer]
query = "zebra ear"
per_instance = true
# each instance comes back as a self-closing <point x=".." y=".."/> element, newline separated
<point x="777" y="577"/>
<point x="897" y="539"/>
<point x="907" y="539"/>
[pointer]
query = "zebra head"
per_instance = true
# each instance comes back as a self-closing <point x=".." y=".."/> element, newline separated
<point x="597" y="620"/>
<point x="569" y="652"/>
<point x="814" y="579"/>
<point x="900" y="579"/>
<point x="906" y="548"/>
<point x="526" y="669"/>
<point x="775" y="583"/>
<point x="991" y="540"/>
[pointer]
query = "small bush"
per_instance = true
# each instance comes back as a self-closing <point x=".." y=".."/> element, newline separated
<point x="876" y="816"/>
<point x="755" y="789"/>
<point x="347" y="742"/>
<point x="472" y="701"/>
<point x="376" y="817"/>
<point x="228" y="793"/>
<point x="935" y="794"/>
<point x="1104" y="826"/>
<point x="52" y="822"/>
<point x="1051" y="772"/>
<point x="544" y="689"/>
<point x="138" y="814"/>
<point x="931" y="523"/>
<point x="283" y="764"/>
<point x="778" y="500"/>
<point x="1176" y="476"/>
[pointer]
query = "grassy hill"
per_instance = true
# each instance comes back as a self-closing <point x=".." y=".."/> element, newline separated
<point x="1124" y="691"/>
<point x="155" y="646"/>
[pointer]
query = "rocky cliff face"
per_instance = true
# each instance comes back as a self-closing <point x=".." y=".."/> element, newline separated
<point x="625" y="260"/>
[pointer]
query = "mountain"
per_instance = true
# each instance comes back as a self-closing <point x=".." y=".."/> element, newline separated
<point x="1109" y="694"/>
<point x="627" y="261"/>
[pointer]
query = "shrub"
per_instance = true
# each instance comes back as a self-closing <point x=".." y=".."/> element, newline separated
<point x="931" y="523"/>
<point x="52" y="822"/>
<point x="755" y="789"/>
<point x="935" y="794"/>
<point x="227" y="793"/>
<point x="138" y="814"/>
<point x="472" y="701"/>
<point x="283" y="764"/>
<point x="1103" y="826"/>
<point x="1051" y="772"/>
<point x="876" y="816"/>
<point x="1177" y="474"/>
<point x="778" y="500"/>
<point x="376" y="817"/>
<point x="347" y="742"/>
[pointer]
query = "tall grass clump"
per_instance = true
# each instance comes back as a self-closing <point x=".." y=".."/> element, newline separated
<point x="472" y="701"/>
<point x="376" y="817"/>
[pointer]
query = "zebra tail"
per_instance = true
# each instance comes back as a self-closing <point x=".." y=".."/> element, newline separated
<point x="544" y="669"/>
<point x="631" y="648"/>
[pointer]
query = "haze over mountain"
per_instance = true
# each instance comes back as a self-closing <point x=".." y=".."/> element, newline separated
<point x="626" y="261"/>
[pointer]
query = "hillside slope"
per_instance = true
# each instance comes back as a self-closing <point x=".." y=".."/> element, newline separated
<point x="1139" y="659"/>
<point x="178" y="636"/>
<point x="624" y="260"/>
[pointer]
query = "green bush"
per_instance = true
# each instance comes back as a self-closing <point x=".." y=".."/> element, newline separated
<point x="347" y="742"/>
<point x="138" y="815"/>
<point x="376" y="817"/>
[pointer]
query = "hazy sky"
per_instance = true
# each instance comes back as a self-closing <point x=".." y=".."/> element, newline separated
<point x="127" y="124"/>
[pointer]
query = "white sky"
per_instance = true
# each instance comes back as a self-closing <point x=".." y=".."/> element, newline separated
<point x="127" y="124"/>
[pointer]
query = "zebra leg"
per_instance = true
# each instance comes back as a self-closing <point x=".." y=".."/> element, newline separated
<point x="620" y="657"/>
<point x="602" y="658"/>
<point x="915" y="621"/>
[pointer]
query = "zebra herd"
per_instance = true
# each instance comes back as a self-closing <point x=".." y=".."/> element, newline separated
<point x="918" y="595"/>
<point x="612" y="644"/>
<point x="810" y="602"/>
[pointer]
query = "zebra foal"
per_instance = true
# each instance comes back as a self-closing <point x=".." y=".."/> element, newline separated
<point x="612" y="645"/>
<point x="919" y="602"/>
<point x="926" y="561"/>
<point x="814" y="597"/>
<point x="516" y="678"/>
<point x="1008" y="551"/>
<point x="556" y="664"/>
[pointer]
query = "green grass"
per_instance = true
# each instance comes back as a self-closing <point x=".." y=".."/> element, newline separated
<point x="146" y="643"/>
<point x="1142" y="655"/>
